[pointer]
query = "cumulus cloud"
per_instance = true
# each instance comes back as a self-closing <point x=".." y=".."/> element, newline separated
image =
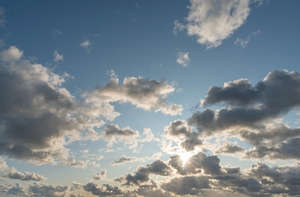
<point x="183" y="58"/>
<point x="250" y="106"/>
<point x="211" y="22"/>
<point x="104" y="190"/>
<point x="198" y="163"/>
<point x="143" y="93"/>
<point x="158" y="167"/>
<point x="191" y="185"/>
<point x="114" y="134"/>
<point x="180" y="130"/>
<point x="3" y="164"/>
<point x="11" y="54"/>
<point x="24" y="176"/>
<point x="57" y="57"/>
<point x="252" y="113"/>
<point x="37" y="190"/>
<point x="37" y="125"/>
<point x="101" y="175"/>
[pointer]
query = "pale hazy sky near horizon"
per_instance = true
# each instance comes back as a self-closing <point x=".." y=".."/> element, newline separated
<point x="149" y="98"/>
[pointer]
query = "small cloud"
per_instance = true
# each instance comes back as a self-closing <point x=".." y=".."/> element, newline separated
<point x="57" y="57"/>
<point x="12" y="54"/>
<point x="178" y="27"/>
<point x="183" y="58"/>
<point x="3" y="164"/>
<point x="100" y="176"/>
<point x="24" y="176"/>
<point x="243" y="42"/>
<point x="86" y="45"/>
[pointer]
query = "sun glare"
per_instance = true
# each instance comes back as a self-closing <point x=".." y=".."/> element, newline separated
<point x="185" y="157"/>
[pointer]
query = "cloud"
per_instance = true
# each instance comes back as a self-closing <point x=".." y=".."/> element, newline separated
<point x="124" y="159"/>
<point x="230" y="148"/>
<point x="114" y="134"/>
<point x="143" y="93"/>
<point x="198" y="163"/>
<point x="16" y="190"/>
<point x="11" y="54"/>
<point x="158" y="167"/>
<point x="44" y="190"/>
<point x="183" y="58"/>
<point x="100" y="176"/>
<point x="104" y="190"/>
<point x="148" y="136"/>
<point x="250" y="106"/>
<point x="57" y="57"/>
<point x="244" y="42"/>
<point x="188" y="185"/>
<point x="285" y="150"/>
<point x="211" y="22"/>
<point x="3" y="164"/>
<point x="253" y="113"/>
<point x="37" y="126"/>
<point x="178" y="27"/>
<point x="86" y="44"/>
<point x="180" y="130"/>
<point x="24" y="176"/>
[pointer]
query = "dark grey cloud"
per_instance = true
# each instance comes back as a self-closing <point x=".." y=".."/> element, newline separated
<point x="37" y="112"/>
<point x="288" y="149"/>
<point x="103" y="190"/>
<point x="115" y="130"/>
<point x="198" y="163"/>
<point x="284" y="180"/>
<point x="158" y="167"/>
<point x="37" y="190"/>
<point x="114" y="134"/>
<point x="270" y="136"/>
<point x="123" y="160"/>
<point x="191" y="185"/>
<point x="24" y="176"/>
<point x="250" y="106"/>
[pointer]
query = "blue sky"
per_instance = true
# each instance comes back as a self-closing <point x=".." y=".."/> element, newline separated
<point x="99" y="92"/>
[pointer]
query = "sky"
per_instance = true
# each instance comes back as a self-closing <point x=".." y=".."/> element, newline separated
<point x="137" y="98"/>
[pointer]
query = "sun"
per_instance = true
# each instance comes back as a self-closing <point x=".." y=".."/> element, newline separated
<point x="185" y="157"/>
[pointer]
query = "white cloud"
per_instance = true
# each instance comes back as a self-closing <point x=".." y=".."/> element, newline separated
<point x="57" y="57"/>
<point x="85" y="44"/>
<point x="24" y="176"/>
<point x="3" y="164"/>
<point x="212" y="21"/>
<point x="183" y="58"/>
<point x="11" y="54"/>
<point x="143" y="93"/>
